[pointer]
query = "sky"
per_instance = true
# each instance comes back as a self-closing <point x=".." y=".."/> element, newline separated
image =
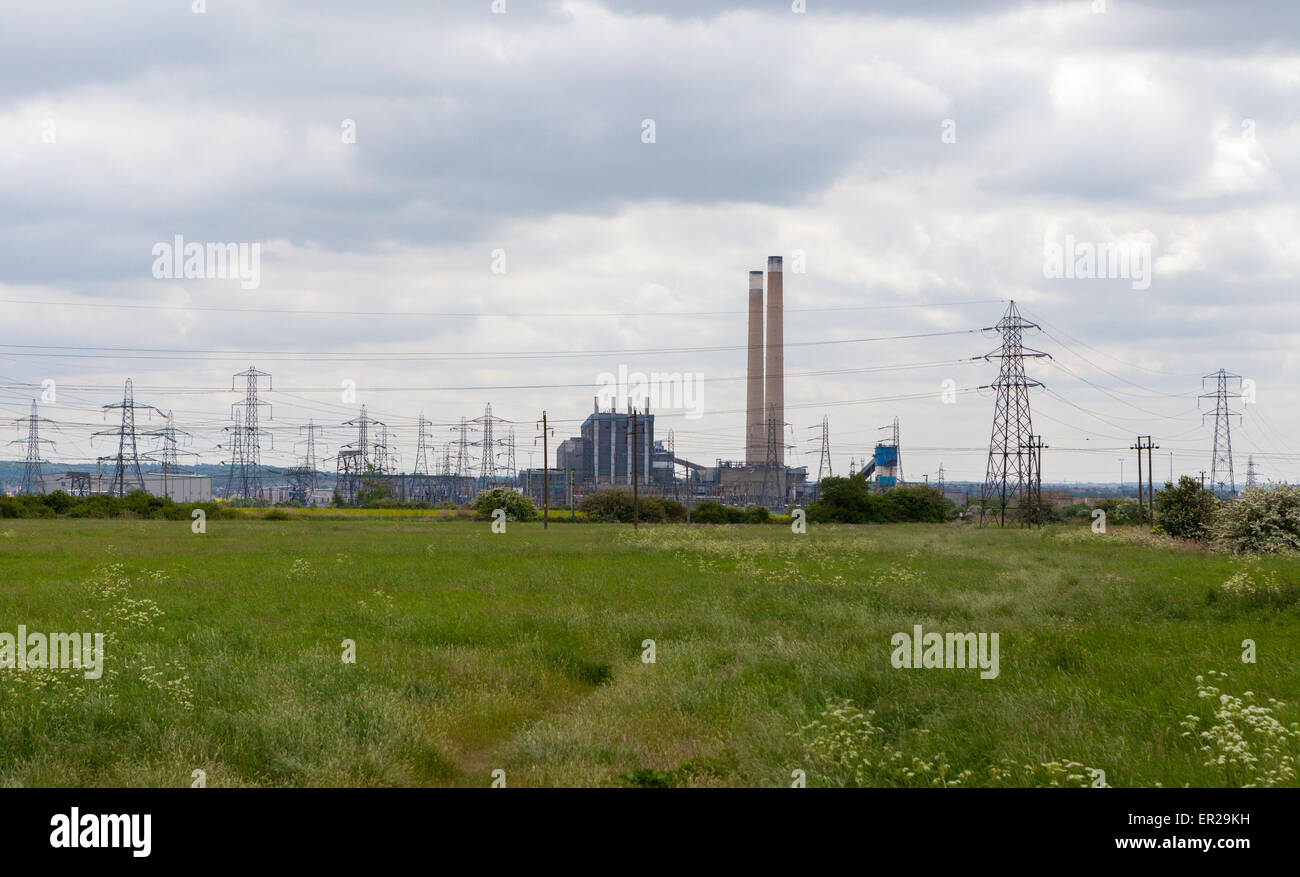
<point x="455" y="206"/>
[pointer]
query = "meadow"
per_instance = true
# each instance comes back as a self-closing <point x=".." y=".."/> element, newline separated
<point x="525" y="652"/>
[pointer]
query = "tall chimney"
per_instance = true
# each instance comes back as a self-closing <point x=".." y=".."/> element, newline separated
<point x="775" y="378"/>
<point x="755" y="431"/>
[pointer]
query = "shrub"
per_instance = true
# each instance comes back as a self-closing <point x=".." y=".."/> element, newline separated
<point x="675" y="511"/>
<point x="918" y="503"/>
<point x="1261" y="519"/>
<point x="517" y="506"/>
<point x="1186" y="510"/>
<point x="716" y="513"/>
<point x="756" y="514"/>
<point x="276" y="515"/>
<point x="1119" y="511"/>
<point x="651" y="509"/>
<point x="607" y="505"/>
<point x="613" y="505"/>
<point x="850" y="501"/>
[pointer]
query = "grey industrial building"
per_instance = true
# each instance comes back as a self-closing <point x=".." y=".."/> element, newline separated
<point x="176" y="486"/>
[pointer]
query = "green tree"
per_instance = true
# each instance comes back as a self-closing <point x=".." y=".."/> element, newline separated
<point x="1262" y="519"/>
<point x="517" y="506"/>
<point x="1185" y="510"/>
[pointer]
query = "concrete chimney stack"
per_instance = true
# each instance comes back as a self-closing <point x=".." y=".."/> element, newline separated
<point x="755" y="431"/>
<point x="774" y="392"/>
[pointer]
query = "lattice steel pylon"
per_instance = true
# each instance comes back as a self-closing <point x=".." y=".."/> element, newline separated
<point x="421" y="474"/>
<point x="487" y="444"/>
<point x="421" y="466"/>
<point x="1252" y="474"/>
<point x="1221" y="465"/>
<point x="508" y="443"/>
<point x="126" y="463"/>
<point x="824" y="456"/>
<point x="302" y="478"/>
<point x="245" y="479"/>
<point x="1007" y="474"/>
<point x="168" y="453"/>
<point x="773" y="492"/>
<point x="383" y="454"/>
<point x="461" y="462"/>
<point x="355" y="461"/>
<point x="32" y="482"/>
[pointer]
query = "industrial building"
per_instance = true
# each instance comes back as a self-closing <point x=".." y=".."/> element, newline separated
<point x="603" y="454"/>
<point x="175" y="486"/>
<point x="608" y="453"/>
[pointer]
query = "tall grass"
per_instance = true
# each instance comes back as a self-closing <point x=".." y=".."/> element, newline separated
<point x="523" y="651"/>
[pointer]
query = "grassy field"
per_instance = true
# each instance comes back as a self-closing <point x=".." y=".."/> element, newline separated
<point x="522" y="652"/>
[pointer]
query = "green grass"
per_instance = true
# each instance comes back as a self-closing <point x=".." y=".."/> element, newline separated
<point x="522" y="651"/>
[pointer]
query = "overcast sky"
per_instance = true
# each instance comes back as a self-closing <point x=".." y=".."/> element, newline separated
<point x="919" y="161"/>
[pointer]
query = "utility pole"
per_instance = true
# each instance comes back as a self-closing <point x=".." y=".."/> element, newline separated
<point x="246" y="478"/>
<point x="546" y="476"/>
<point x="170" y="451"/>
<point x="32" y="483"/>
<point x="824" y="454"/>
<point x="302" y="478"/>
<point x="571" y="510"/>
<point x="1144" y="444"/>
<point x="1202" y="479"/>
<point x="1006" y="473"/>
<point x="1221" y="465"/>
<point x="1151" y="496"/>
<point x="636" y="452"/>
<point x="1141" y="513"/>
<point x="127" y="458"/>
<point x="1038" y="474"/>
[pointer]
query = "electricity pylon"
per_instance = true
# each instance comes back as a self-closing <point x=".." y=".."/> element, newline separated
<point x="126" y="463"/>
<point x="1221" y="465"/>
<point x="1007" y="474"/>
<point x="32" y="481"/>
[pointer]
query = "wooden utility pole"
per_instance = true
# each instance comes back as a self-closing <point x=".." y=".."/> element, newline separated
<point x="546" y="477"/>
<point x="1151" y="496"/>
<point x="636" y="504"/>
<point x="1141" y="512"/>
<point x="1037" y="446"/>
<point x="571" y="516"/>
<point x="1144" y="443"/>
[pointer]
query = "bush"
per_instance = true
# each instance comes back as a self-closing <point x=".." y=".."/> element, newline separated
<point x="517" y="506"/>
<point x="136" y="504"/>
<point x="615" y="506"/>
<point x="716" y="513"/>
<point x="675" y="511"/>
<point x="919" y="503"/>
<point x="651" y="509"/>
<point x="1261" y="519"/>
<point x="756" y="514"/>
<point x="1185" y="511"/>
<point x="607" y="505"/>
<point x="1119" y="511"/>
<point x="850" y="501"/>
